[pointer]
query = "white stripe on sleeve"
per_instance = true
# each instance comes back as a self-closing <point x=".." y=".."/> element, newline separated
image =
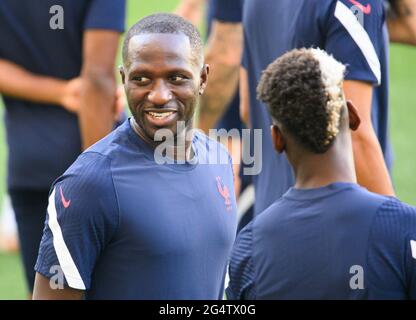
<point x="413" y="247"/>
<point x="64" y="257"/>
<point x="360" y="36"/>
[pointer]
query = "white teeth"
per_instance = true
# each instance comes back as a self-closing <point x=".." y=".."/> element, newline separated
<point x="160" y="115"/>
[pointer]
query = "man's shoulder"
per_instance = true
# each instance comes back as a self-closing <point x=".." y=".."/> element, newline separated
<point x="350" y="199"/>
<point x="392" y="242"/>
<point x="210" y="145"/>
<point x="95" y="162"/>
<point x="387" y="206"/>
<point x="89" y="168"/>
<point x="366" y="197"/>
<point x="87" y="182"/>
<point x="110" y="144"/>
<point x="210" y="142"/>
<point x="392" y="209"/>
<point x="393" y="225"/>
<point x="311" y="6"/>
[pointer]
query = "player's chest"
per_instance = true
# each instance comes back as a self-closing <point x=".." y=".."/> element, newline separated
<point x="165" y="211"/>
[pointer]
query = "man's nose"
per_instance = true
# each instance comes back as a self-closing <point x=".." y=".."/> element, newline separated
<point x="160" y="94"/>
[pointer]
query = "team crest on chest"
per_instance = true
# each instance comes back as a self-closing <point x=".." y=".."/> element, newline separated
<point x="366" y="9"/>
<point x="224" y="192"/>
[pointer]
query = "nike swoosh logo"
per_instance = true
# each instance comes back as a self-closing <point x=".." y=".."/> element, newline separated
<point x="366" y="9"/>
<point x="65" y="202"/>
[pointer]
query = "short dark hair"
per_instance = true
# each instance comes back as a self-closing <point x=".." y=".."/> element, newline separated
<point x="165" y="23"/>
<point x="303" y="90"/>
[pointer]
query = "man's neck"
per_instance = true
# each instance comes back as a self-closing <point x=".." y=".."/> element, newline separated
<point x="180" y="149"/>
<point x="318" y="170"/>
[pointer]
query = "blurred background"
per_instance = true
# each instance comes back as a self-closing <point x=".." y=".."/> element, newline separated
<point x="403" y="132"/>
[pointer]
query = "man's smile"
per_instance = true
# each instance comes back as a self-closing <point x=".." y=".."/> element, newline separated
<point x="163" y="83"/>
<point x="161" y="117"/>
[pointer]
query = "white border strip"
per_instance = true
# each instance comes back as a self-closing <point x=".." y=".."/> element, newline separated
<point x="64" y="257"/>
<point x="413" y="247"/>
<point x="245" y="201"/>
<point x="360" y="36"/>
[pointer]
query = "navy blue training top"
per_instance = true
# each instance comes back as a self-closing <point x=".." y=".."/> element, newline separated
<point x="44" y="140"/>
<point x="121" y="226"/>
<point x="335" y="242"/>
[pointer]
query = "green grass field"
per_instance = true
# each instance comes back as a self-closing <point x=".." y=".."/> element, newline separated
<point x="403" y="114"/>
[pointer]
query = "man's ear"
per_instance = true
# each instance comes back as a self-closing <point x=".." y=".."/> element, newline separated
<point x="354" y="118"/>
<point x="279" y="141"/>
<point x="122" y="74"/>
<point x="203" y="78"/>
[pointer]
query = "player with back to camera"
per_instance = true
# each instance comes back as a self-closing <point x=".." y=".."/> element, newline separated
<point x="327" y="237"/>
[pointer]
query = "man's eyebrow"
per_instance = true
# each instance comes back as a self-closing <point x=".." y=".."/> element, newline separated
<point x="148" y="67"/>
<point x="167" y="73"/>
<point x="180" y="70"/>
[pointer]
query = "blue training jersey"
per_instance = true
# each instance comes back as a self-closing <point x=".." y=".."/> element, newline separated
<point x="121" y="226"/>
<point x="335" y="242"/>
<point x="272" y="28"/>
<point x="43" y="140"/>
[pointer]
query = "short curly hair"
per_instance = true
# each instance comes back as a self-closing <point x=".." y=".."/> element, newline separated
<point x="303" y="90"/>
<point x="169" y="24"/>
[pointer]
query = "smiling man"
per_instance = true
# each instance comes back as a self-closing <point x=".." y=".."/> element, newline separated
<point x="120" y="226"/>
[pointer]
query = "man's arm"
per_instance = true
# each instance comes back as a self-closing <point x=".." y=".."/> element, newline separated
<point x="43" y="291"/>
<point x="241" y="268"/>
<point x="402" y="22"/>
<point x="223" y="54"/>
<point x="370" y="166"/>
<point x="354" y="45"/>
<point x="19" y="83"/>
<point x="190" y="10"/>
<point x="97" y="110"/>
<point x="244" y="97"/>
<point x="82" y="217"/>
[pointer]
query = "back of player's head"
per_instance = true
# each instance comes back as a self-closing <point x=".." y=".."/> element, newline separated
<point x="168" y="24"/>
<point x="303" y="90"/>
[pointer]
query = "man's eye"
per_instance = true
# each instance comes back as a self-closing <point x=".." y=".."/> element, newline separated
<point x="140" y="79"/>
<point x="177" y="78"/>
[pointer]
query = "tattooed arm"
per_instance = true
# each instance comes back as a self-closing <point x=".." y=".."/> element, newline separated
<point x="223" y="54"/>
<point x="402" y="21"/>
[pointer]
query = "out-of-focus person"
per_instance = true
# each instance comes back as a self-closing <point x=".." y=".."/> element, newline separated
<point x="57" y="79"/>
<point x="9" y="242"/>
<point x="272" y="28"/>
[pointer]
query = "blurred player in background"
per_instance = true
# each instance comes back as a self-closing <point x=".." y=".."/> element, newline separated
<point x="327" y="237"/>
<point x="57" y="78"/>
<point x="122" y="225"/>
<point x="272" y="28"/>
